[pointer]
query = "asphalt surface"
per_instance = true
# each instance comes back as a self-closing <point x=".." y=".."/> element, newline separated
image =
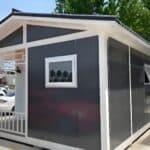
<point x="8" y="145"/>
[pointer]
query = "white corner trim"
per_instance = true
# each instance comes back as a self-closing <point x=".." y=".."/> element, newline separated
<point x="104" y="100"/>
<point x="130" y="88"/>
<point x="24" y="33"/>
<point x="26" y="92"/>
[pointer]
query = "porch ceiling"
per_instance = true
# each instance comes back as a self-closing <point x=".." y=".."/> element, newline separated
<point x="9" y="26"/>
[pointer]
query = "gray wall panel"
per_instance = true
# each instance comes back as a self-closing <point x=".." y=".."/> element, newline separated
<point x="39" y="32"/>
<point x="14" y="38"/>
<point x="138" y="89"/>
<point x="147" y="103"/>
<point x="66" y="115"/>
<point x="147" y="94"/>
<point x="119" y="94"/>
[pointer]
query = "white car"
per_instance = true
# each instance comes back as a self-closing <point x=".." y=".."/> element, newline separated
<point x="3" y="91"/>
<point x="7" y="103"/>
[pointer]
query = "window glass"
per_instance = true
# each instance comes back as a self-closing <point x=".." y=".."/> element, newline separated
<point x="147" y="73"/>
<point x="61" y="71"/>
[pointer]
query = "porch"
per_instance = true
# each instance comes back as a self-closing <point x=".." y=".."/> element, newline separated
<point x="12" y="122"/>
<point x="12" y="92"/>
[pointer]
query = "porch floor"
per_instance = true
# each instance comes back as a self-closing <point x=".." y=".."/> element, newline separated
<point x="8" y="145"/>
<point x="143" y="143"/>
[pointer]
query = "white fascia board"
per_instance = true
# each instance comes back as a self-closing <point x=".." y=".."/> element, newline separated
<point x="63" y="22"/>
<point x="9" y="26"/>
<point x="130" y="38"/>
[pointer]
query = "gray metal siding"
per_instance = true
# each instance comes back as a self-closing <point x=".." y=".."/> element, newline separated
<point x="138" y="89"/>
<point x="14" y="38"/>
<point x="66" y="115"/>
<point x="35" y="32"/>
<point x="119" y="93"/>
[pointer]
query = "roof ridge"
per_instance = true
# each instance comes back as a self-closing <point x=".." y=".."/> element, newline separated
<point x="14" y="10"/>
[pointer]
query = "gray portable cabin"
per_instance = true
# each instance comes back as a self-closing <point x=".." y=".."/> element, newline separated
<point x="84" y="85"/>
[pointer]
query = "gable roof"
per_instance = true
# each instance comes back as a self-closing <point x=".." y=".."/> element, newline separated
<point x="97" y="17"/>
<point x="16" y="12"/>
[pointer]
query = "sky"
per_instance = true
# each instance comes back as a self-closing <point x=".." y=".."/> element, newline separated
<point x="39" y="6"/>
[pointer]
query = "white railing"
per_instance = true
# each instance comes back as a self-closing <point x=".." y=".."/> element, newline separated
<point x="12" y="122"/>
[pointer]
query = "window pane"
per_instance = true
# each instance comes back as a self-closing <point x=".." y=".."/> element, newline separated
<point x="60" y="71"/>
<point x="147" y="72"/>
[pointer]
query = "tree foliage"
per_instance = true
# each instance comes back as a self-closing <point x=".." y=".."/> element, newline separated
<point x="133" y="13"/>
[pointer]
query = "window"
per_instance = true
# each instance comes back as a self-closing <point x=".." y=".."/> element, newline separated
<point x="61" y="71"/>
<point x="147" y="73"/>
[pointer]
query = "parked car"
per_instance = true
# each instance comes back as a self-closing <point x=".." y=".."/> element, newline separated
<point x="3" y="91"/>
<point x="7" y="102"/>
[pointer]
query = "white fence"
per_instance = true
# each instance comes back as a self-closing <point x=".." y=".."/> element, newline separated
<point x="12" y="122"/>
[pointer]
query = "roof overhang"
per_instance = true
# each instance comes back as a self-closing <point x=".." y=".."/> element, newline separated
<point x="84" y="22"/>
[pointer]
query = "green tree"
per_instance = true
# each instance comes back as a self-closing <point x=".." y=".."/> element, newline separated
<point x="80" y="6"/>
<point x="111" y="7"/>
<point x="133" y="13"/>
<point x="60" y="6"/>
<point x="146" y="3"/>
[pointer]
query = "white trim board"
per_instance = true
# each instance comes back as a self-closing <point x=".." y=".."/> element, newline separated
<point x="104" y="98"/>
<point x="76" y="26"/>
<point x="130" y="88"/>
<point x="58" y="39"/>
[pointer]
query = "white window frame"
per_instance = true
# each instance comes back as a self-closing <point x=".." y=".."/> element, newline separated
<point x="146" y="68"/>
<point x="73" y="59"/>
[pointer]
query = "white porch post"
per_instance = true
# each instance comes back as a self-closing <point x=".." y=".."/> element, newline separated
<point x="104" y="99"/>
<point x="26" y="77"/>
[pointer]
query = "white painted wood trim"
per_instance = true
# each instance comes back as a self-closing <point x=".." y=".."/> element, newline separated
<point x="130" y="88"/>
<point x="58" y="39"/>
<point x="37" y="142"/>
<point x="132" y="35"/>
<point x="12" y="48"/>
<point x="124" y="36"/>
<point x="26" y="92"/>
<point x="24" y="33"/>
<point x="26" y="76"/>
<point x="81" y="22"/>
<point x="104" y="98"/>
<point x="62" y="38"/>
<point x="131" y="139"/>
<point x="74" y="26"/>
